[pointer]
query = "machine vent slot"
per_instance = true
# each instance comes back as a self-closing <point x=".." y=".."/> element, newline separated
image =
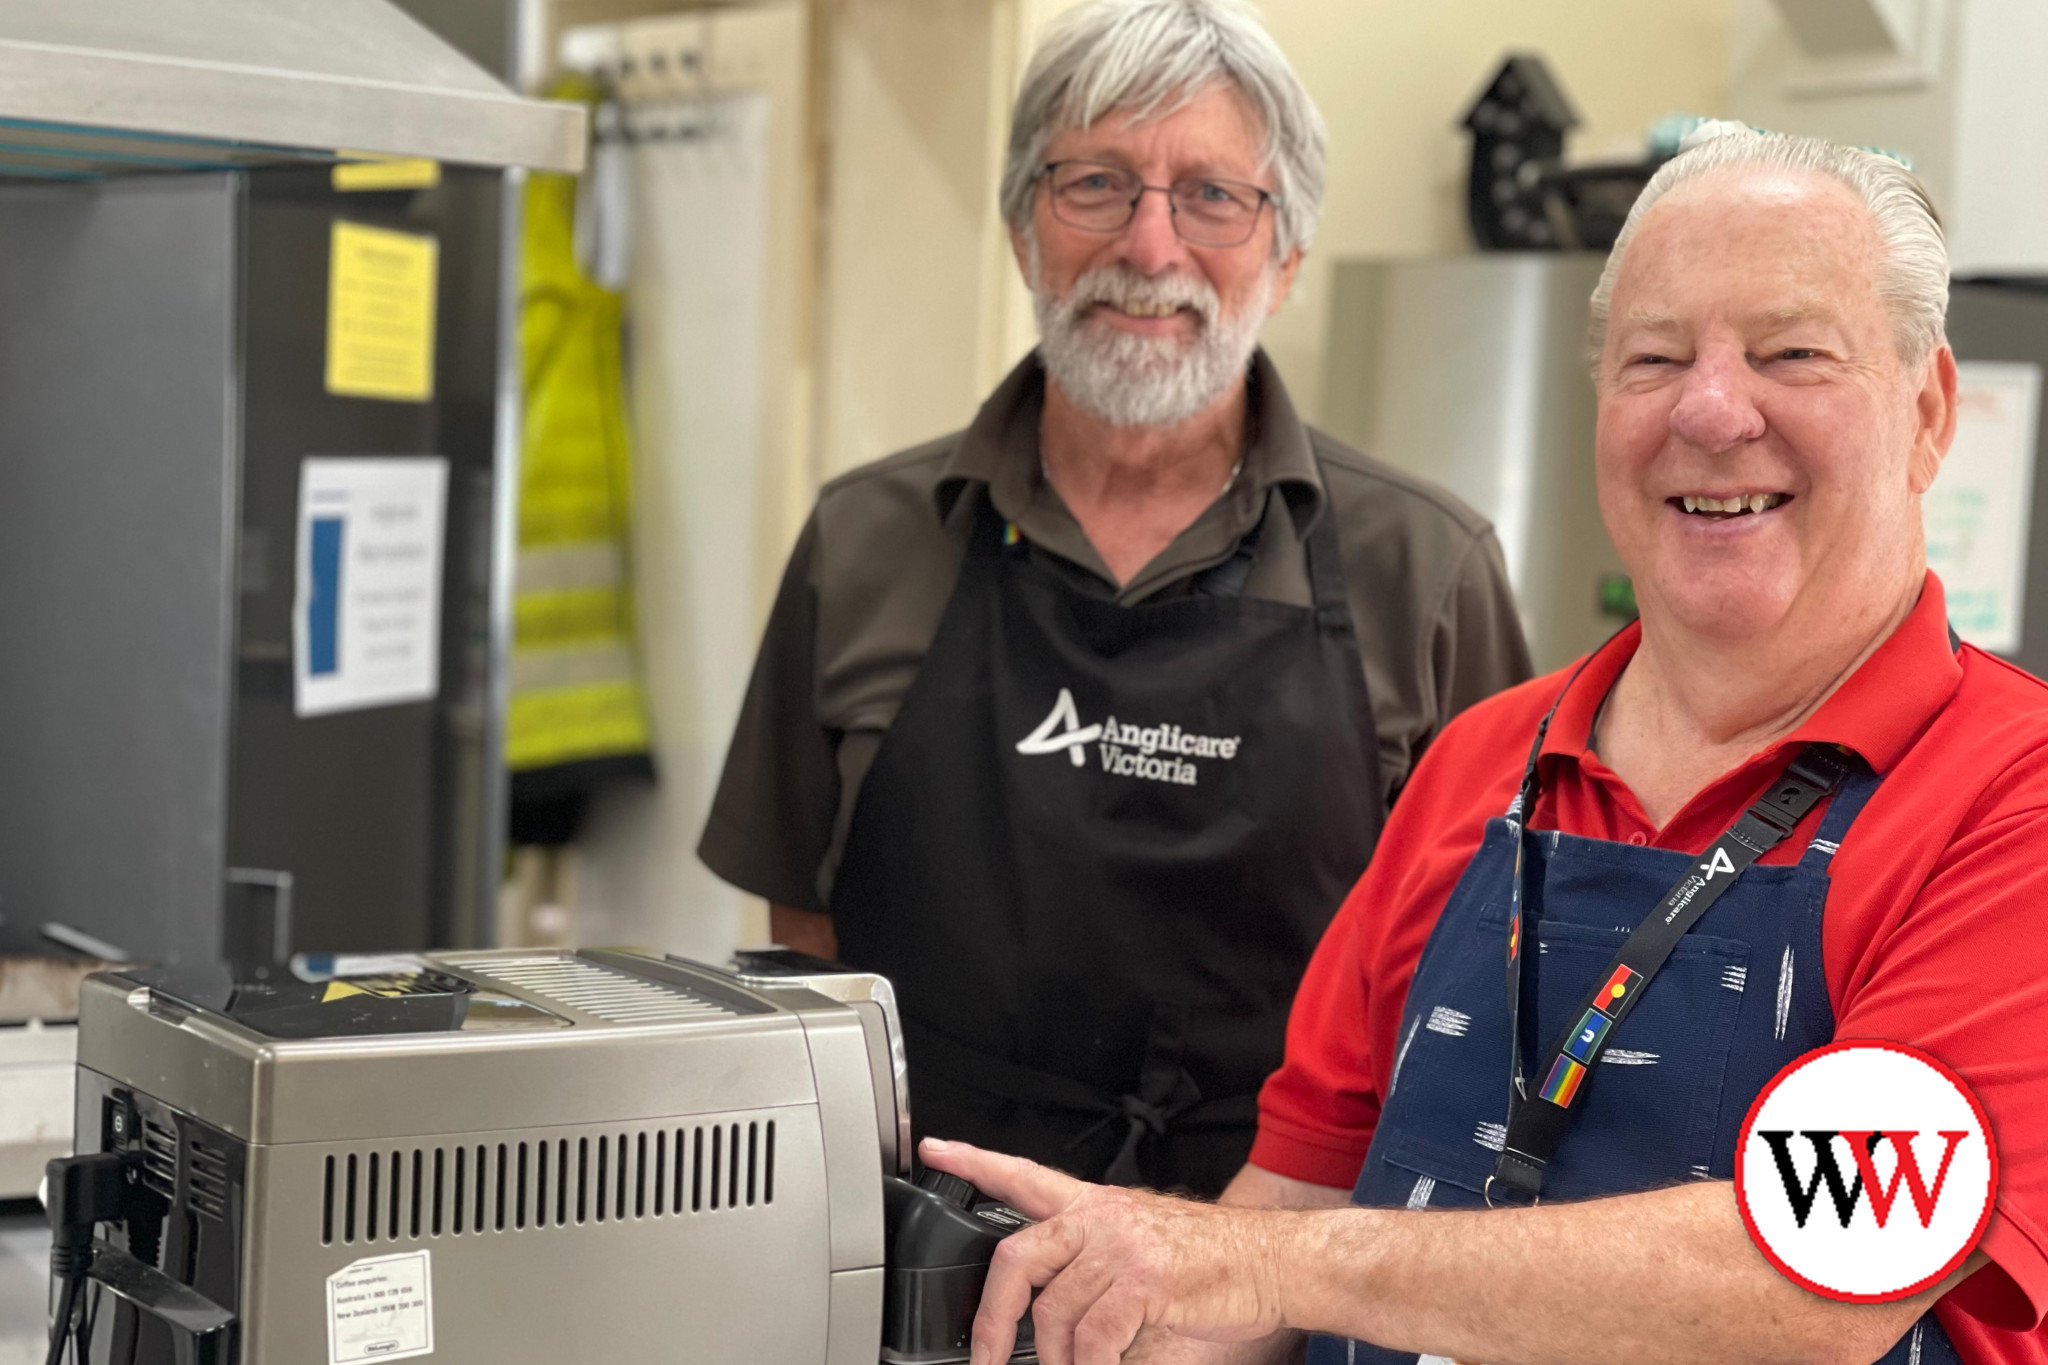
<point x="160" y="1158"/>
<point x="612" y="996"/>
<point x="208" y="1180"/>
<point x="608" y="1177"/>
<point x="370" y="1203"/>
<point x="724" y="1166"/>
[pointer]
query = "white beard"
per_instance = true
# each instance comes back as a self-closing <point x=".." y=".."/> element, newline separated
<point x="1137" y="381"/>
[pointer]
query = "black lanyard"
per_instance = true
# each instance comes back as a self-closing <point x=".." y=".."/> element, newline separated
<point x="1537" y="1125"/>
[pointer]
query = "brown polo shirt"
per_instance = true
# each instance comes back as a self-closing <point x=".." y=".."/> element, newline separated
<point x="874" y="567"/>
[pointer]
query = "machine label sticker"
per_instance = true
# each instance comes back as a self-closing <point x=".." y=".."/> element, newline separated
<point x="1157" y="753"/>
<point x="381" y="1308"/>
<point x="1865" y="1171"/>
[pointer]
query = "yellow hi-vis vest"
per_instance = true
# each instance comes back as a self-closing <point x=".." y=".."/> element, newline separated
<point x="575" y="686"/>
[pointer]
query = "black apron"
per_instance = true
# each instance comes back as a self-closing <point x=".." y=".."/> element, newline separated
<point x="1096" y="850"/>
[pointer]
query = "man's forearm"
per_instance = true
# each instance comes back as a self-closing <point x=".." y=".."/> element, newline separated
<point x="1668" y="1275"/>
<point x="1257" y="1188"/>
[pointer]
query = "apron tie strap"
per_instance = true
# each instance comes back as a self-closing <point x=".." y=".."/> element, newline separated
<point x="1144" y="1120"/>
<point x="1167" y="1097"/>
<point x="1146" y="1114"/>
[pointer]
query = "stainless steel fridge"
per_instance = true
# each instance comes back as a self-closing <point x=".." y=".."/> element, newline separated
<point x="161" y="385"/>
<point x="1471" y="371"/>
<point x="170" y="297"/>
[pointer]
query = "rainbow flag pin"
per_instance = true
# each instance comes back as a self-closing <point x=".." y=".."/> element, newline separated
<point x="1563" y="1083"/>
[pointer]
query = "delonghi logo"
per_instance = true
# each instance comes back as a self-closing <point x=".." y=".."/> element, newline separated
<point x="1158" y="753"/>
<point x="1832" y="1144"/>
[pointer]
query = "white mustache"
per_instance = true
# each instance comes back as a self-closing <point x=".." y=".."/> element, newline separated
<point x="1118" y="285"/>
<point x="1133" y="380"/>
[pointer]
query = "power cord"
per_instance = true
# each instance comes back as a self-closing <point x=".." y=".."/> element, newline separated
<point x="84" y="1191"/>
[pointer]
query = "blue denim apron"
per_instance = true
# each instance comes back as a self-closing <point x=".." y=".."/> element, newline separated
<point x="1741" y="996"/>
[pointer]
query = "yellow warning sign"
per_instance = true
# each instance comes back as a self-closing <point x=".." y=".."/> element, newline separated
<point x="380" y="313"/>
<point x="391" y="987"/>
<point x="370" y="171"/>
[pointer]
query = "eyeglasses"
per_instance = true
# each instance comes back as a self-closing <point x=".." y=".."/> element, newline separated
<point x="1098" y="198"/>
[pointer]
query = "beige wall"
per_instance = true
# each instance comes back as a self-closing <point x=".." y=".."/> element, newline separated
<point x="909" y="129"/>
<point x="925" y="310"/>
<point x="1393" y="77"/>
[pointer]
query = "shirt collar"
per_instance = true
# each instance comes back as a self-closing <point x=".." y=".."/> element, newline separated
<point x="1878" y="712"/>
<point x="1000" y="446"/>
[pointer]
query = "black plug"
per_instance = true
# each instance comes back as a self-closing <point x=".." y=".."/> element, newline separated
<point x="85" y="1191"/>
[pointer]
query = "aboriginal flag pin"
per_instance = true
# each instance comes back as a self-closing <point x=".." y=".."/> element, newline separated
<point x="1619" y="990"/>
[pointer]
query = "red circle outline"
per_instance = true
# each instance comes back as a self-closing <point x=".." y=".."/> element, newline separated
<point x="1749" y="1123"/>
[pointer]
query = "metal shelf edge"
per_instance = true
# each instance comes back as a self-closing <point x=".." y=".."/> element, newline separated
<point x="286" y="110"/>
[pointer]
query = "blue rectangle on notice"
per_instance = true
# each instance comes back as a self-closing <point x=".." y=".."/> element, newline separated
<point x="323" y="597"/>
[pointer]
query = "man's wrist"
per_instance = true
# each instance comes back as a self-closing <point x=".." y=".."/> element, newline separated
<point x="1313" y="1252"/>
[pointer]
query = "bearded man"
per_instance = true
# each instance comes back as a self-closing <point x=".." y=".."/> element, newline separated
<point x="1078" y="724"/>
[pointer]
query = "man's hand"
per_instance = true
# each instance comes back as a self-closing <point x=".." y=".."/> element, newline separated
<point x="807" y="931"/>
<point x="1668" y="1275"/>
<point x="1113" y="1262"/>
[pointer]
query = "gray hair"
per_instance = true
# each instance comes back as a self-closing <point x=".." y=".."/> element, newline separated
<point x="1149" y="58"/>
<point x="1913" y="275"/>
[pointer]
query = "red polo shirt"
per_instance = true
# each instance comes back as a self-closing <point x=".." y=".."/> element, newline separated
<point x="1933" y="931"/>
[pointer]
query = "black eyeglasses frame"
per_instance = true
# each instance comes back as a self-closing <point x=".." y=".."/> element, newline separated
<point x="1266" y="196"/>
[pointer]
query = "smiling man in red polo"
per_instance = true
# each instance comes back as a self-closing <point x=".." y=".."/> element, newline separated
<point x="1787" y="808"/>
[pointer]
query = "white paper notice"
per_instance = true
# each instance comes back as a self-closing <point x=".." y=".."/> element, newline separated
<point x="381" y="1309"/>
<point x="1977" y="513"/>
<point x="366" y="626"/>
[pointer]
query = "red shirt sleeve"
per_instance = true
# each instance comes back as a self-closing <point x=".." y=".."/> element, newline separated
<point x="1958" y="973"/>
<point x="1318" y="1111"/>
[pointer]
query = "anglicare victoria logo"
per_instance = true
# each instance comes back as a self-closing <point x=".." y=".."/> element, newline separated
<point x="1157" y="753"/>
<point x="1865" y="1171"/>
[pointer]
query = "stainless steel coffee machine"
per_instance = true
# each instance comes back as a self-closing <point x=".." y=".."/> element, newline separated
<point x="505" y="1157"/>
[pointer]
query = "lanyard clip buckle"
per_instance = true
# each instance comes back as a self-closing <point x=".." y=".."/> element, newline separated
<point x="1811" y="775"/>
<point x="1516" y="1182"/>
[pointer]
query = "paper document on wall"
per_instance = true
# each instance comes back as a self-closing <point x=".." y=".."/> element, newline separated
<point x="1977" y="514"/>
<point x="380" y="312"/>
<point x="366" y="624"/>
